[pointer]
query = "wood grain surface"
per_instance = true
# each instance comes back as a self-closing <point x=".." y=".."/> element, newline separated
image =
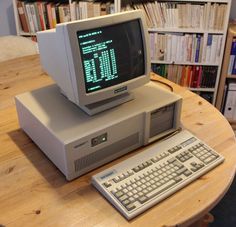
<point x="33" y="192"/>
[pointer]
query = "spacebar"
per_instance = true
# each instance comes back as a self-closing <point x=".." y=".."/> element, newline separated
<point x="161" y="189"/>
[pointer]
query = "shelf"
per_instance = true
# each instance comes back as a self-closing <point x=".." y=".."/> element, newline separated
<point x="221" y="94"/>
<point x="183" y="63"/>
<point x="185" y="30"/>
<point x="203" y="89"/>
<point x="231" y="76"/>
<point x="233" y="124"/>
<point x="217" y="1"/>
<point x="27" y="34"/>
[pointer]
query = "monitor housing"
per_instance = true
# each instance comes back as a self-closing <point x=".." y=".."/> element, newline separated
<point x="97" y="62"/>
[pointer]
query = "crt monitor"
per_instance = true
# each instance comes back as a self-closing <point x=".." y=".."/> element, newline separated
<point x="97" y="62"/>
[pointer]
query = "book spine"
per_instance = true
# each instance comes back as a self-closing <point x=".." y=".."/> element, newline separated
<point x="208" y="48"/>
<point x="232" y="57"/>
<point x="54" y="16"/>
<point x="30" y="19"/>
<point x="49" y="14"/>
<point x="234" y="67"/>
<point x="34" y="17"/>
<point x="45" y="15"/>
<point x="36" y="10"/>
<point x="22" y="16"/>
<point x="198" y="44"/>
<point x="41" y="15"/>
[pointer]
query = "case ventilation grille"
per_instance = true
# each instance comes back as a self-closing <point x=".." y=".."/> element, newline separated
<point x="107" y="153"/>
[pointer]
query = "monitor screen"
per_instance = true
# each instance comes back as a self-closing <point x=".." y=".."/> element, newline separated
<point x="111" y="54"/>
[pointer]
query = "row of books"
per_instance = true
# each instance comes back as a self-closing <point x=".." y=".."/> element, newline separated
<point x="183" y="15"/>
<point x="185" y="47"/>
<point x="41" y="15"/>
<point x="232" y="60"/>
<point x="86" y="9"/>
<point x="188" y="75"/>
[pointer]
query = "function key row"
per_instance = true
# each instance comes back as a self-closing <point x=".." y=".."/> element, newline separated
<point x="174" y="149"/>
<point x="142" y="166"/>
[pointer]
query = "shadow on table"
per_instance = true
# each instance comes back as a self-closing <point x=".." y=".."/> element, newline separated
<point x="41" y="162"/>
<point x="38" y="159"/>
<point x="225" y="211"/>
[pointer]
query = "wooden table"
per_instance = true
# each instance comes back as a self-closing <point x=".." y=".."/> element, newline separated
<point x="33" y="192"/>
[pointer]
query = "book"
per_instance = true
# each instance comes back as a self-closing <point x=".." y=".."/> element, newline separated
<point x="189" y="75"/>
<point x="219" y="48"/>
<point x="169" y="48"/>
<point x="183" y="77"/>
<point x="234" y="67"/>
<point x="198" y="45"/>
<point x="49" y="14"/>
<point x="96" y="9"/>
<point x="103" y="9"/>
<point x="64" y="13"/>
<point x="213" y="48"/>
<point x="41" y="15"/>
<point x="57" y="13"/>
<point x="207" y="15"/>
<point x="174" y="45"/>
<point x="90" y="9"/>
<point x="36" y="9"/>
<point x="30" y="18"/>
<point x="199" y="79"/>
<point x="73" y="10"/>
<point x="208" y="48"/>
<point x="194" y="47"/>
<point x="232" y="57"/>
<point x="22" y="16"/>
<point x="45" y="14"/>
<point x="54" y="17"/>
<point x="34" y="17"/>
<point x="189" y="47"/>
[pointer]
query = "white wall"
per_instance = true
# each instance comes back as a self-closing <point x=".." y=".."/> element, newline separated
<point x="7" y="20"/>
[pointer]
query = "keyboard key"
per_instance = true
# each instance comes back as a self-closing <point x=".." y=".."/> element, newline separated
<point x="142" y="199"/>
<point x="187" y="173"/>
<point x="130" y="207"/>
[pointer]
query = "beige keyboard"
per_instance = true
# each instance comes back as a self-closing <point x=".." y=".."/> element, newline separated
<point x="147" y="178"/>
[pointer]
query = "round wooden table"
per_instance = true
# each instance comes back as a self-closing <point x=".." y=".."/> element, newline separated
<point x="33" y="192"/>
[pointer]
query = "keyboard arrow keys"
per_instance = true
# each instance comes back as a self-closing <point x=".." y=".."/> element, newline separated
<point x="143" y="199"/>
<point x="130" y="207"/>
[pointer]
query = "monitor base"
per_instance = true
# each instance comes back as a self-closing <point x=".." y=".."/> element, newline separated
<point x="94" y="108"/>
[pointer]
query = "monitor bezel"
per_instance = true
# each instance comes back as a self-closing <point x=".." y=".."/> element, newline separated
<point x="75" y="62"/>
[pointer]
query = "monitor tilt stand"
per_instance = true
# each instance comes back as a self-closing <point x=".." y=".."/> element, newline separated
<point x="106" y="104"/>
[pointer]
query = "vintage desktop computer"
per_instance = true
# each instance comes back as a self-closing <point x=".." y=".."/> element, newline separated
<point x="102" y="104"/>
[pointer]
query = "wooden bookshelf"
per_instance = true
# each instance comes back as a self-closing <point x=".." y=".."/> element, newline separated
<point x="224" y="73"/>
<point x="45" y="14"/>
<point x="208" y="25"/>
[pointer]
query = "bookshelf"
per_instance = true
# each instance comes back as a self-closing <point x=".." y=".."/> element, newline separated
<point x="187" y="41"/>
<point x="187" y="37"/>
<point x="34" y="15"/>
<point x="227" y="73"/>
